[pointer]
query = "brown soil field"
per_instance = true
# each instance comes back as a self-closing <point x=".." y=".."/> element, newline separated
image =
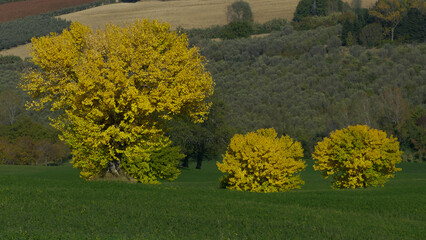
<point x="14" y="10"/>
<point x="183" y="13"/>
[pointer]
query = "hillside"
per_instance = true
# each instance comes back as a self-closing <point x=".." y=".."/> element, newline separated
<point x="183" y="13"/>
<point x="303" y="83"/>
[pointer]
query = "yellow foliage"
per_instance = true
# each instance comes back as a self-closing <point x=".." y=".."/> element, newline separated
<point x="391" y="12"/>
<point x="116" y="87"/>
<point x="261" y="162"/>
<point x="357" y="156"/>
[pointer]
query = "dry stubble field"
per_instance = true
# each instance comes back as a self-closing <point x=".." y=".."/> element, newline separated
<point x="183" y="13"/>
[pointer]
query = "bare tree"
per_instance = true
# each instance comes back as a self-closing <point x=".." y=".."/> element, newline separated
<point x="10" y="106"/>
<point x="395" y="108"/>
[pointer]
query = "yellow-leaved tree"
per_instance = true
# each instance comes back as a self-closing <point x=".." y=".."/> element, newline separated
<point x="114" y="89"/>
<point x="261" y="162"/>
<point x="391" y="12"/>
<point x="357" y="157"/>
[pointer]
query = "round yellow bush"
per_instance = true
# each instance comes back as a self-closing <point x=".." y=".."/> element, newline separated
<point x="261" y="162"/>
<point x="357" y="157"/>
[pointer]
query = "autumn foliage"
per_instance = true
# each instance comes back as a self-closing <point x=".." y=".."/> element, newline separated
<point x="261" y="162"/>
<point x="357" y="157"/>
<point x="115" y="89"/>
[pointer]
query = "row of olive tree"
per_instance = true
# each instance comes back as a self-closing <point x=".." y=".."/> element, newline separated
<point x="303" y="83"/>
<point x="21" y="31"/>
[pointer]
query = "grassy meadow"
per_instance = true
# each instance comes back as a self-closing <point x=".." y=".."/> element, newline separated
<point x="54" y="203"/>
<point x="39" y="202"/>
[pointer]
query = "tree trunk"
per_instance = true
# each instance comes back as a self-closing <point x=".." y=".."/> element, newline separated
<point x="314" y="8"/>
<point x="185" y="162"/>
<point x="199" y="160"/>
<point x="114" y="168"/>
<point x="200" y="155"/>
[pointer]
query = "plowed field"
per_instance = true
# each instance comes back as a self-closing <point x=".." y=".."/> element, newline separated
<point x="13" y="10"/>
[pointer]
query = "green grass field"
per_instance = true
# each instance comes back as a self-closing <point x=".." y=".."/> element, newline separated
<point x="54" y="203"/>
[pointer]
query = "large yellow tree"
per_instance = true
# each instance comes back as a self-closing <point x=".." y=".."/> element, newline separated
<point x="114" y="89"/>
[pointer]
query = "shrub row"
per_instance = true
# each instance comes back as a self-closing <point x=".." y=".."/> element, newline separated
<point x="25" y="142"/>
<point x="356" y="157"/>
<point x="235" y="29"/>
<point x="28" y="151"/>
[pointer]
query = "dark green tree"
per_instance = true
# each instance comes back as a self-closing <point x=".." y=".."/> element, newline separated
<point x="237" y="29"/>
<point x="413" y="135"/>
<point x="371" y="35"/>
<point x="306" y="8"/>
<point x="412" y="27"/>
<point x="201" y="141"/>
<point x="239" y="11"/>
<point x="303" y="10"/>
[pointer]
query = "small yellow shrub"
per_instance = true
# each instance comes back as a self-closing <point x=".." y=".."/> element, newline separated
<point x="358" y="157"/>
<point x="261" y="162"/>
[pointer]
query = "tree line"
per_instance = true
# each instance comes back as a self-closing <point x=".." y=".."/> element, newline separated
<point x="386" y="21"/>
<point x="25" y="136"/>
